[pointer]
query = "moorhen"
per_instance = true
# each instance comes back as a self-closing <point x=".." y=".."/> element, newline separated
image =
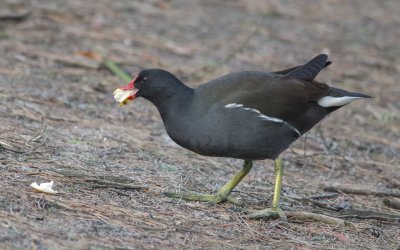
<point x="247" y="115"/>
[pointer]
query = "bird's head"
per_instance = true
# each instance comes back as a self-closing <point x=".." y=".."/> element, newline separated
<point x="149" y="83"/>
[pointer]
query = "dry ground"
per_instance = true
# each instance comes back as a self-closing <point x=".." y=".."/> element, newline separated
<point x="58" y="122"/>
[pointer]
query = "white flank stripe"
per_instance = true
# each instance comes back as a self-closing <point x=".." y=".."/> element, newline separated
<point x="330" y="101"/>
<point x="272" y="119"/>
<point x="262" y="116"/>
<point x="294" y="129"/>
<point x="255" y="110"/>
<point x="233" y="105"/>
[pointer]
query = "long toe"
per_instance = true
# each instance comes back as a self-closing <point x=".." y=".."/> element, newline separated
<point x="268" y="214"/>
<point x="214" y="199"/>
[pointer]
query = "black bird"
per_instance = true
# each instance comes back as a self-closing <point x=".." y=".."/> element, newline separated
<point x="247" y="115"/>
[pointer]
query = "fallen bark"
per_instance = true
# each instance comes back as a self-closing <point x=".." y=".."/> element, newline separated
<point x="307" y="216"/>
<point x="392" y="203"/>
<point x="359" y="191"/>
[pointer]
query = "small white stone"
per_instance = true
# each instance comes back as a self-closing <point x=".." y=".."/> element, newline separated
<point x="46" y="187"/>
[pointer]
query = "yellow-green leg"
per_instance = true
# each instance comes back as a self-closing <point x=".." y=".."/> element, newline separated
<point x="275" y="211"/>
<point x="223" y="194"/>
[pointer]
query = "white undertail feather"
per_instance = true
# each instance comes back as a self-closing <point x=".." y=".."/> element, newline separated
<point x="330" y="101"/>
<point x="262" y="116"/>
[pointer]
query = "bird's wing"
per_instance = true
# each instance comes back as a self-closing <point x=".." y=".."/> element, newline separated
<point x="286" y="99"/>
<point x="270" y="94"/>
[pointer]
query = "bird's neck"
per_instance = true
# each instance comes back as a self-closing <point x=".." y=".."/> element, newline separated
<point x="173" y="102"/>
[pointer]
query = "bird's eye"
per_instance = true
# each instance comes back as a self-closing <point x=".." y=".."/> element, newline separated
<point x="144" y="79"/>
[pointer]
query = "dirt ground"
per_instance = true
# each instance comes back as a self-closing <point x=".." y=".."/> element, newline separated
<point x="111" y="164"/>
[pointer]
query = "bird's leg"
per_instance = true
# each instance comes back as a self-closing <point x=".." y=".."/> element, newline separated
<point x="223" y="194"/>
<point x="275" y="211"/>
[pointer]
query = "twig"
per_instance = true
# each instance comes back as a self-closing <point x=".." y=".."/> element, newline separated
<point x="39" y="134"/>
<point x="241" y="46"/>
<point x="248" y="194"/>
<point x="16" y="17"/>
<point x="324" y="196"/>
<point x="73" y="60"/>
<point x="306" y="216"/>
<point x="351" y="190"/>
<point x="33" y="149"/>
<point x="363" y="162"/>
<point x="321" y="135"/>
<point x="110" y="184"/>
<point x="349" y="213"/>
<point x="5" y="146"/>
<point x="101" y="181"/>
<point x="305" y="146"/>
<point x="24" y="149"/>
<point x="299" y="215"/>
<point x="238" y="49"/>
<point x="314" y="202"/>
<point x="114" y="68"/>
<point x="67" y="173"/>
<point x="365" y="214"/>
<point x="392" y="182"/>
<point x="60" y="119"/>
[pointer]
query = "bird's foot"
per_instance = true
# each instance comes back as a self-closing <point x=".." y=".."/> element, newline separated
<point x="268" y="214"/>
<point x="213" y="199"/>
